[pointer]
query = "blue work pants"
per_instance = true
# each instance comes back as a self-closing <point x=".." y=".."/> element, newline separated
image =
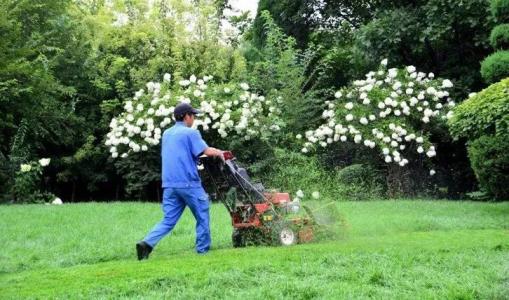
<point x="175" y="201"/>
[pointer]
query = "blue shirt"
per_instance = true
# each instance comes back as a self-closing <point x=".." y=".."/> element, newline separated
<point x="180" y="149"/>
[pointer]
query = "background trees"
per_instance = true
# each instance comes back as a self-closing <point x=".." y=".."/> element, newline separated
<point x="68" y="67"/>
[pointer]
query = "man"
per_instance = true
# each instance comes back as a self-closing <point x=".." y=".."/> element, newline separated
<point x="180" y="149"/>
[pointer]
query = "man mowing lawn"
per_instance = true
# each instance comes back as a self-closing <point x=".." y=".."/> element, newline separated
<point x="180" y="149"/>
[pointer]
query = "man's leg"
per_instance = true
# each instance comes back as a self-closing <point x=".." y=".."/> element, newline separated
<point x="173" y="207"/>
<point x="198" y="202"/>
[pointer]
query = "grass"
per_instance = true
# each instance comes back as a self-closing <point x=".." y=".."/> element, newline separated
<point x="390" y="249"/>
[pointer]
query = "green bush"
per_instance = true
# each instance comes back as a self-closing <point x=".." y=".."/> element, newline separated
<point x="357" y="174"/>
<point x="361" y="182"/>
<point x="293" y="171"/>
<point x="495" y="67"/>
<point x="27" y="185"/>
<point x="483" y="114"/>
<point x="499" y="38"/>
<point x="500" y="10"/>
<point x="489" y="156"/>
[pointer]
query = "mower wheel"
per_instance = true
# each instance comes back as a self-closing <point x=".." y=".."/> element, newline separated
<point x="284" y="235"/>
<point x="238" y="238"/>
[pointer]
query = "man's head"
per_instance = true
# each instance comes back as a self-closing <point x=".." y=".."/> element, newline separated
<point x="185" y="113"/>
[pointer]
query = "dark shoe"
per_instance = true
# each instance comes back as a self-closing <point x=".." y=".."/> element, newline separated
<point x="143" y="250"/>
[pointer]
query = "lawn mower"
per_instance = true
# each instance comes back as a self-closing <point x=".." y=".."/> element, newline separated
<point x="258" y="216"/>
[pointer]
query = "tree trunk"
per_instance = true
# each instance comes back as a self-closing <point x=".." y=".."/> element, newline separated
<point x="73" y="193"/>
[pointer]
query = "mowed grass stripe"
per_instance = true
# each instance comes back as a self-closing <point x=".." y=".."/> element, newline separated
<point x="390" y="249"/>
<point x="38" y="236"/>
<point x="384" y="261"/>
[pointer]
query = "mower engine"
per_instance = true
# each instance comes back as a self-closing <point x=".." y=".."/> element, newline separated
<point x="258" y="216"/>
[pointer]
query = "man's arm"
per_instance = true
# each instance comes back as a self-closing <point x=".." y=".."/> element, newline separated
<point x="210" y="151"/>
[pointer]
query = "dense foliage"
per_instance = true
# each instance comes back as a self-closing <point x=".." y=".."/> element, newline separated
<point x="499" y="37"/>
<point x="485" y="113"/>
<point x="483" y="121"/>
<point x="500" y="10"/>
<point x="490" y="161"/>
<point x="496" y="66"/>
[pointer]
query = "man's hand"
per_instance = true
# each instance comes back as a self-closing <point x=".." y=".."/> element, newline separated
<point x="210" y="151"/>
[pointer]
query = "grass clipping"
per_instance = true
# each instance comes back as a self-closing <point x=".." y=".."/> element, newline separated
<point x="330" y="223"/>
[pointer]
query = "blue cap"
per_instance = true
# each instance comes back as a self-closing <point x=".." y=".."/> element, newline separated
<point x="184" y="108"/>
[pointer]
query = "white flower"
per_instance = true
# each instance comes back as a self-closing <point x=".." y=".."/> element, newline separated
<point x="150" y="86"/>
<point x="338" y="94"/>
<point x="57" y="201"/>
<point x="388" y="158"/>
<point x="300" y="194"/>
<point x="393" y="73"/>
<point x="384" y="62"/>
<point x="138" y="94"/>
<point x="432" y="172"/>
<point x="471" y="95"/>
<point x="349" y="117"/>
<point x="25" y="168"/>
<point x="357" y="139"/>
<point x="315" y="195"/>
<point x="431" y="90"/>
<point x="420" y="149"/>
<point x="447" y="84"/>
<point x="364" y="121"/>
<point x="299" y="136"/>
<point x="410" y="69"/>
<point x="167" y="77"/>
<point x="431" y="153"/>
<point x="44" y="162"/>
<point x="349" y="105"/>
<point x="419" y="140"/>
<point x="244" y="86"/>
<point x="192" y="78"/>
<point x="227" y="90"/>
<point x="184" y="83"/>
<point x="304" y="150"/>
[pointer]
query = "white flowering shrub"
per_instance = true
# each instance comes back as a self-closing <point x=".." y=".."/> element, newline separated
<point x="229" y="110"/>
<point x="27" y="183"/>
<point x="389" y="110"/>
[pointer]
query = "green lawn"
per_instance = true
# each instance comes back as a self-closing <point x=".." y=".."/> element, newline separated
<point x="390" y="249"/>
